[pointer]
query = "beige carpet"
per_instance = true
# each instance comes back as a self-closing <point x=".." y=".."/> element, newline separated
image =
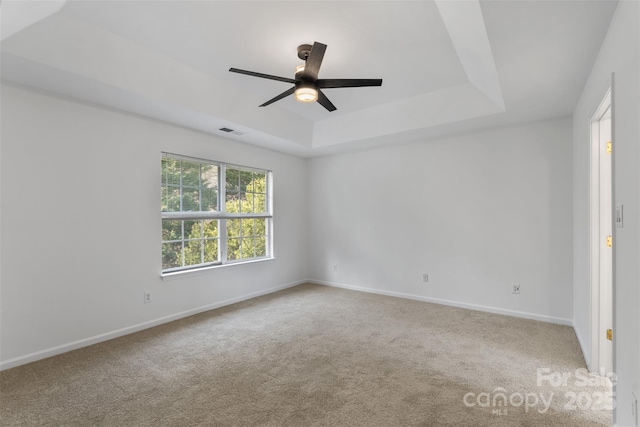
<point x="312" y="356"/>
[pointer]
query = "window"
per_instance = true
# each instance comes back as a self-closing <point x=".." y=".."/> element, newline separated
<point x="205" y="223"/>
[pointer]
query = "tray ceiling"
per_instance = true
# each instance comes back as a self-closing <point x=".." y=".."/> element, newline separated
<point x="448" y="66"/>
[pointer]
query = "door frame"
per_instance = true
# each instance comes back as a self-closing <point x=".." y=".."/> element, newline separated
<point x="595" y="233"/>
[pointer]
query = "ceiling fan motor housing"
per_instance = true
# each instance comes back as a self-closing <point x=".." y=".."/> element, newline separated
<point x="303" y="51"/>
<point x="301" y="81"/>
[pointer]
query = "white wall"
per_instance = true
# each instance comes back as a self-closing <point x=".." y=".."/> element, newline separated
<point x="81" y="225"/>
<point x="619" y="55"/>
<point x="478" y="213"/>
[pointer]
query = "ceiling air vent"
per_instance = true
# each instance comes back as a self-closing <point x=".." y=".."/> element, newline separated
<point x="231" y="131"/>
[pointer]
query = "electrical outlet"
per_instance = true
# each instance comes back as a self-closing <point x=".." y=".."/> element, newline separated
<point x="147" y="297"/>
<point x="425" y="277"/>
<point x="515" y="289"/>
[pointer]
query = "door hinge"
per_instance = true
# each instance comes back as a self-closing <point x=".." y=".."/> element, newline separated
<point x="609" y="241"/>
<point x="610" y="334"/>
<point x="609" y="147"/>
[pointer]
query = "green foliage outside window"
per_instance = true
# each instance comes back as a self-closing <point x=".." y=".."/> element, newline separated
<point x="192" y="186"/>
<point x="247" y="237"/>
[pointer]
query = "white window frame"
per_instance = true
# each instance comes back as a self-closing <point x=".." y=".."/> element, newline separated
<point x="222" y="215"/>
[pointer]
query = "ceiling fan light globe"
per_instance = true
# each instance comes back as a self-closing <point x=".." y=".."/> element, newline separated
<point x="306" y="94"/>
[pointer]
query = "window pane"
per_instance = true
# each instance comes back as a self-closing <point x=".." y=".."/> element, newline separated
<point x="233" y="179"/>
<point x="246" y="202"/>
<point x="261" y="246"/>
<point x="190" y="199"/>
<point x="232" y="203"/>
<point x="234" y="228"/>
<point x="261" y="226"/>
<point x="247" y="248"/>
<point x="171" y="255"/>
<point x="209" y="175"/>
<point x="210" y="228"/>
<point x="233" y="248"/>
<point x="209" y="199"/>
<point x="193" y="252"/>
<point x="211" y="250"/>
<point x="170" y="171"/>
<point x="193" y="229"/>
<point x="170" y="199"/>
<point x="247" y="227"/>
<point x="259" y="203"/>
<point x="255" y="246"/>
<point x="171" y="230"/>
<point x="259" y="182"/>
<point x="245" y="179"/>
<point x="190" y="173"/>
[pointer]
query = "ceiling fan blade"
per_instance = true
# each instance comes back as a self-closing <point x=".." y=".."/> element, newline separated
<point x="324" y="101"/>
<point x="335" y="83"/>
<point x="261" y="75"/>
<point x="279" y="97"/>
<point x="312" y="65"/>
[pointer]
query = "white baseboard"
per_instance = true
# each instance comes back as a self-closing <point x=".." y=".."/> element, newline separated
<point x="488" y="309"/>
<point x="43" y="354"/>
<point x="585" y="354"/>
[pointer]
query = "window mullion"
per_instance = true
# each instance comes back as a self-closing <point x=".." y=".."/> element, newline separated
<point x="222" y="223"/>
<point x="181" y="192"/>
<point x="210" y="215"/>
<point x="202" y="241"/>
<point x="269" y="222"/>
<point x="201" y="223"/>
<point x="183" y="242"/>
<point x="200" y="185"/>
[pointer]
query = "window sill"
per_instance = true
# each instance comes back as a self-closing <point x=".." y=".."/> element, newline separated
<point x="204" y="270"/>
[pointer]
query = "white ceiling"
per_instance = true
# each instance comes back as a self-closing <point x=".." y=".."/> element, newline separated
<point x="447" y="66"/>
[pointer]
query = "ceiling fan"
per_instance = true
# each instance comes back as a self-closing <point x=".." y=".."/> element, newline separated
<point x="306" y="83"/>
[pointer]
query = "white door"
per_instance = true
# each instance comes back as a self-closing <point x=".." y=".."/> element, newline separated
<point x="606" y="250"/>
<point x="601" y="214"/>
